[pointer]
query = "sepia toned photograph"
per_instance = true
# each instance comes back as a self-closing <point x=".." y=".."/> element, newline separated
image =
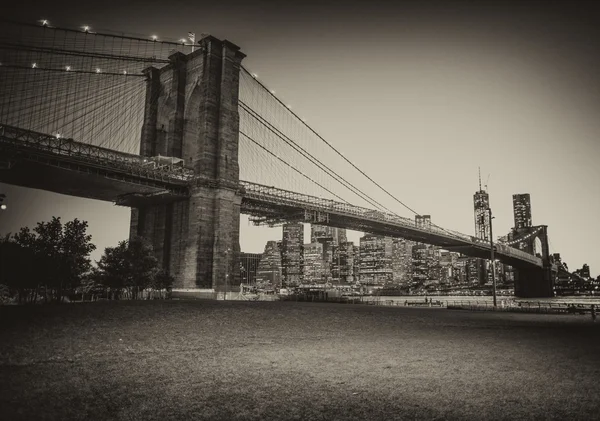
<point x="276" y="210"/>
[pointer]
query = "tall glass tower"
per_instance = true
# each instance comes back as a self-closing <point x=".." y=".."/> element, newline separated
<point x="481" y="204"/>
<point x="522" y="210"/>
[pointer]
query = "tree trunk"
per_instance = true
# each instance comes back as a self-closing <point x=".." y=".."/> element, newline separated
<point x="59" y="292"/>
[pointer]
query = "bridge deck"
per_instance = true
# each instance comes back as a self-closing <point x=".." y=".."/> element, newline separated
<point x="277" y="204"/>
<point x="48" y="163"/>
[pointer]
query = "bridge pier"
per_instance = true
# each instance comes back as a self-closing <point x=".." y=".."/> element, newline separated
<point x="192" y="113"/>
<point x="534" y="283"/>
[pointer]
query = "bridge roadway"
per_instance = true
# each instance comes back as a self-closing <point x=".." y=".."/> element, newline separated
<point x="41" y="161"/>
<point x="271" y="205"/>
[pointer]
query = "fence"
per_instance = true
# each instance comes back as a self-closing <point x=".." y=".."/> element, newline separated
<point x="474" y="305"/>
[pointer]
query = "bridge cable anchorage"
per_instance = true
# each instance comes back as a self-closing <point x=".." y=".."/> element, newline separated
<point x="311" y="158"/>
<point x="271" y="94"/>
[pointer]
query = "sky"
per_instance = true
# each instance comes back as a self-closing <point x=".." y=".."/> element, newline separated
<point x="418" y="94"/>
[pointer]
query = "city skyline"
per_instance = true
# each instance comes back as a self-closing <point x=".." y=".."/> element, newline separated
<point x="518" y="98"/>
<point x="378" y="261"/>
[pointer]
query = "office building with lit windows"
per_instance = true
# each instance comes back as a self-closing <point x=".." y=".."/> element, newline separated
<point x="268" y="272"/>
<point x="314" y="265"/>
<point x="292" y="254"/>
<point x="376" y="260"/>
<point x="522" y="211"/>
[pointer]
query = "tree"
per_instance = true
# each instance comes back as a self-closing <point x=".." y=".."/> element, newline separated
<point x="91" y="285"/>
<point x="130" y="266"/>
<point x="143" y="266"/>
<point x="163" y="281"/>
<point x="60" y="252"/>
<point x="112" y="268"/>
<point x="21" y="269"/>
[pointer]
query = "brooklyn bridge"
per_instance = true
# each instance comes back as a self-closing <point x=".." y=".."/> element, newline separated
<point x="189" y="139"/>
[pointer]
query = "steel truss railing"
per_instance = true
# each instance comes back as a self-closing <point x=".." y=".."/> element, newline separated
<point x="282" y="197"/>
<point x="131" y="164"/>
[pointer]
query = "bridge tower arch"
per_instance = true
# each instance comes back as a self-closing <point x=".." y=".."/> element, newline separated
<point x="192" y="113"/>
<point x="534" y="282"/>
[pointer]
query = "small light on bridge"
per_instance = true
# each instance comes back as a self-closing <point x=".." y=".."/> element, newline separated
<point x="154" y="37"/>
<point x="57" y="135"/>
<point x="124" y="72"/>
<point x="182" y="40"/>
<point x="2" y="207"/>
<point x="34" y="65"/>
<point x="273" y="92"/>
<point x="44" y="22"/>
<point x="86" y="28"/>
<point x="254" y="75"/>
<point x="98" y="70"/>
<point x="68" y="68"/>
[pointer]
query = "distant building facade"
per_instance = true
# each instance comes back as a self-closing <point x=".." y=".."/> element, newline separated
<point x="522" y="211"/>
<point x="481" y="204"/>
<point x="314" y="265"/>
<point x="337" y="235"/>
<point x="376" y="260"/>
<point x="292" y="254"/>
<point x="248" y="266"/>
<point x="269" y="270"/>
<point x="402" y="261"/>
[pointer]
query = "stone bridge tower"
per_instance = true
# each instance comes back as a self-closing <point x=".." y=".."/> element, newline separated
<point x="534" y="282"/>
<point x="192" y="113"/>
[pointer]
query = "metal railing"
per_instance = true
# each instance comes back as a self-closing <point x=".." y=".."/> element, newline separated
<point x="105" y="158"/>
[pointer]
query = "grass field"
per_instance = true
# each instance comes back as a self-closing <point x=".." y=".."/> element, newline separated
<point x="201" y="360"/>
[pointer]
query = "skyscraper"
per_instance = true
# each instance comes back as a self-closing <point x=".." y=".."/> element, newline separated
<point x="481" y="204"/>
<point x="356" y="263"/>
<point x="522" y="210"/>
<point x="376" y="260"/>
<point x="337" y="235"/>
<point x="402" y="261"/>
<point x="292" y="253"/>
<point x="269" y="268"/>
<point x="248" y="266"/>
<point x="344" y="263"/>
<point x="420" y="269"/>
<point x="314" y="266"/>
<point x="330" y="238"/>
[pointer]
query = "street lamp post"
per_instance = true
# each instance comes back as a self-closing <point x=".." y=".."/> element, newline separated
<point x="227" y="273"/>
<point x="492" y="258"/>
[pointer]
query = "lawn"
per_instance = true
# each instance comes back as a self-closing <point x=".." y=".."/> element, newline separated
<point x="208" y="360"/>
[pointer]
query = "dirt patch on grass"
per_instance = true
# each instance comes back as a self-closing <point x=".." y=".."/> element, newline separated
<point x="285" y="360"/>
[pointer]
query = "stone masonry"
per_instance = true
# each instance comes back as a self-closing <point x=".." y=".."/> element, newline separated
<point x="192" y="113"/>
